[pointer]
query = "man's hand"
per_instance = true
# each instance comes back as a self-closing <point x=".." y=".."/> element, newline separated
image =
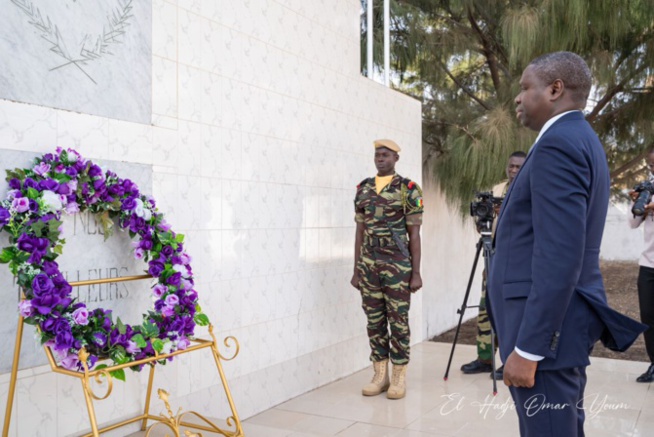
<point x="519" y="372"/>
<point x="634" y="195"/>
<point x="415" y="283"/>
<point x="356" y="280"/>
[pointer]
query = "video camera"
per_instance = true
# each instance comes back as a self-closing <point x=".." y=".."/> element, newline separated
<point x="483" y="209"/>
<point x="645" y="190"/>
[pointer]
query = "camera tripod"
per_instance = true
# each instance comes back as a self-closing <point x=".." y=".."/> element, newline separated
<point x="484" y="245"/>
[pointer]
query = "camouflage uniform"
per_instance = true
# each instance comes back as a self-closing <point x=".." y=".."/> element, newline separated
<point x="384" y="266"/>
<point x="484" y="350"/>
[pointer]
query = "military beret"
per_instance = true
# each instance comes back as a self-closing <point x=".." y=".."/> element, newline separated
<point x="389" y="144"/>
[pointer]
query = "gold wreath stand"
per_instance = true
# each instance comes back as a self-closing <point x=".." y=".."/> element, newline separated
<point x="171" y="421"/>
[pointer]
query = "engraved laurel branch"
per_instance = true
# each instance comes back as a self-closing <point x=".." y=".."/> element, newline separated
<point x="92" y="47"/>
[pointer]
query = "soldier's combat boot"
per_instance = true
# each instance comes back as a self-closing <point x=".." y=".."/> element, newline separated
<point x="380" y="382"/>
<point x="397" y="390"/>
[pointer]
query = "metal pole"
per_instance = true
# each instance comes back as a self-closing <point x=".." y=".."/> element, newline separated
<point x="387" y="42"/>
<point x="369" y="35"/>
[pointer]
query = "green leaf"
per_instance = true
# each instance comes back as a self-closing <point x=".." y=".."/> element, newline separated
<point x="179" y="238"/>
<point x="201" y="319"/>
<point x="150" y="330"/>
<point x="62" y="178"/>
<point x="8" y="254"/>
<point x="17" y="173"/>
<point x="118" y="355"/>
<point x="139" y="340"/>
<point x="121" y="326"/>
<point x="157" y="345"/>
<point x="118" y="374"/>
<point x="38" y="227"/>
<point x="100" y="367"/>
<point x="32" y="193"/>
<point x="58" y="249"/>
<point x="107" y="224"/>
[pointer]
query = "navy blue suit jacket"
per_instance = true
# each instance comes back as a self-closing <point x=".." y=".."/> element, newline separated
<point x="545" y="287"/>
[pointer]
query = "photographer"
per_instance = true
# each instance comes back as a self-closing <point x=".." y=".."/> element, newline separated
<point x="645" y="217"/>
<point x="485" y="351"/>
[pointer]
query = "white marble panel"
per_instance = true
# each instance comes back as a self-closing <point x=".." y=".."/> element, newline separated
<point x="164" y="87"/>
<point x="130" y="142"/>
<point x="75" y="57"/>
<point x="27" y="127"/>
<point x="87" y="134"/>
<point x="36" y="405"/>
<point x="164" y="29"/>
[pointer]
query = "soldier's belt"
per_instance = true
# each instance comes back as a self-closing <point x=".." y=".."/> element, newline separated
<point x="380" y="241"/>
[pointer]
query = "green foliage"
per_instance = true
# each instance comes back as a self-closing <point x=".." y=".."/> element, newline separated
<point x="463" y="59"/>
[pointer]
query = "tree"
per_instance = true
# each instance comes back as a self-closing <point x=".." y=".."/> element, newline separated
<point x="463" y="59"/>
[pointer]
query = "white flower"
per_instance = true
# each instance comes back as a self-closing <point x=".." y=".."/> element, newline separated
<point x="141" y="210"/>
<point x="51" y="200"/>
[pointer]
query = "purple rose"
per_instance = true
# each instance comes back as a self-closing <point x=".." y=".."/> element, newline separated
<point x="146" y="244"/>
<point x="51" y="268"/>
<point x="61" y="325"/>
<point x="116" y="190"/>
<point x="42" y="284"/>
<point x="156" y="267"/>
<point x="164" y="226"/>
<point x="30" y="183"/>
<point x="81" y="316"/>
<point x="128" y="204"/>
<point x="183" y="343"/>
<point x="72" y="172"/>
<point x="33" y="205"/>
<point x="159" y="290"/>
<point x="70" y="362"/>
<point x="64" y="341"/>
<point x="175" y="279"/>
<point x="63" y="189"/>
<point x="48" y="325"/>
<point x="139" y="253"/>
<point x="167" y="251"/>
<point x="45" y="304"/>
<point x="49" y="184"/>
<point x="20" y="204"/>
<point x="172" y="300"/>
<point x="14" y="184"/>
<point x="4" y="216"/>
<point x="95" y="171"/>
<point x="167" y="311"/>
<point x="25" y="308"/>
<point x="185" y="258"/>
<point x="41" y="169"/>
<point x="100" y="339"/>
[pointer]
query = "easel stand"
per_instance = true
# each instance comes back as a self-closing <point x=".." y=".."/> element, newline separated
<point x="484" y="246"/>
<point x="171" y="421"/>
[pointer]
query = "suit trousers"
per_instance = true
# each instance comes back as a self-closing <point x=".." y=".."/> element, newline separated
<point x="553" y="407"/>
<point x="646" y="303"/>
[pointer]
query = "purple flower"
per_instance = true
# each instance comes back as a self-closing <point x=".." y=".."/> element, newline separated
<point x="156" y="267"/>
<point x="146" y="244"/>
<point x="128" y="204"/>
<point x="185" y="258"/>
<point x="14" y="184"/>
<point x="72" y="208"/>
<point x="100" y="339"/>
<point x="167" y="251"/>
<point x="51" y="268"/>
<point x="175" y="279"/>
<point x="172" y="300"/>
<point x="159" y="290"/>
<point x="139" y="253"/>
<point x="95" y="172"/>
<point x="70" y="362"/>
<point x="42" y="284"/>
<point x="71" y="171"/>
<point x="167" y="311"/>
<point x="30" y="183"/>
<point x="49" y="184"/>
<point x="183" y="343"/>
<point x="164" y="226"/>
<point x="81" y="316"/>
<point x="20" y="204"/>
<point x="4" y="216"/>
<point x="132" y="348"/>
<point x="41" y="169"/>
<point x="33" y="205"/>
<point x="45" y="304"/>
<point x="25" y="308"/>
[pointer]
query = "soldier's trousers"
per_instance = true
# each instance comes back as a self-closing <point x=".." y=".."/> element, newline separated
<point x="484" y="350"/>
<point x="386" y="298"/>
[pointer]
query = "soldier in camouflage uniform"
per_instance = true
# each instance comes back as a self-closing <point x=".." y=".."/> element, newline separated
<point x="485" y="351"/>
<point x="388" y="213"/>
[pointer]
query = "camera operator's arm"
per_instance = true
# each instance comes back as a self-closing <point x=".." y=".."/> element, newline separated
<point x="415" y="249"/>
<point x="635" y="220"/>
<point x="358" y="242"/>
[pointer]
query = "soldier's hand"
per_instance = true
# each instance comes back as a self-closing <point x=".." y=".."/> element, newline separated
<point x="356" y="280"/>
<point x="416" y="282"/>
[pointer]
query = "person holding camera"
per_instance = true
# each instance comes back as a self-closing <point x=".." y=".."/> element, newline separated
<point x="388" y="213"/>
<point x="642" y="214"/>
<point x="485" y="351"/>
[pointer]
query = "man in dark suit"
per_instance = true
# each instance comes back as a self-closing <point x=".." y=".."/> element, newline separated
<point x="547" y="300"/>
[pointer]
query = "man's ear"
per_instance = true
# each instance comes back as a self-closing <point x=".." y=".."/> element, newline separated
<point x="556" y="89"/>
<point x="397" y="157"/>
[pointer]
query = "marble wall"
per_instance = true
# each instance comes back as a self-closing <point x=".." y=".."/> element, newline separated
<point x="261" y="128"/>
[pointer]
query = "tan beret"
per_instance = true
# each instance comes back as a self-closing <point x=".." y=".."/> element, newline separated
<point x="389" y="144"/>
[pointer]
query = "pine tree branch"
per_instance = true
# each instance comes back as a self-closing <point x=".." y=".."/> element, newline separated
<point x="638" y="159"/>
<point x="613" y="92"/>
<point x="463" y="87"/>
<point x="486" y="50"/>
